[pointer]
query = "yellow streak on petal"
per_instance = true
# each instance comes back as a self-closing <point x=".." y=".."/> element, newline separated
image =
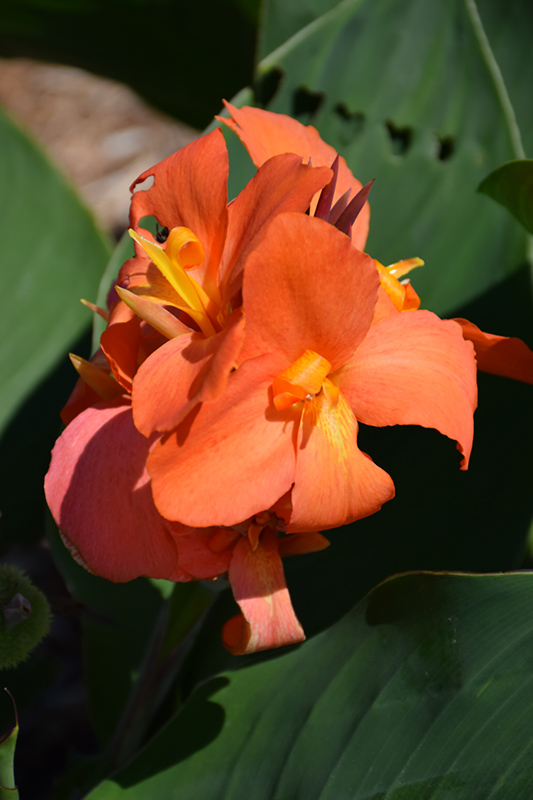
<point x="158" y="317"/>
<point x="401" y="268"/>
<point x="403" y="299"/>
<point x="195" y="298"/>
<point x="98" y="379"/>
<point x="102" y="312"/>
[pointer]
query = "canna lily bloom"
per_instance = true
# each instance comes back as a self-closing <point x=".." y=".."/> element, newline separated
<point x="265" y="134"/>
<point x="185" y="282"/>
<point x="315" y="361"/>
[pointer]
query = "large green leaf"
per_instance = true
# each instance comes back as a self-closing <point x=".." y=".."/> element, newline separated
<point x="52" y="254"/>
<point x="421" y="691"/>
<point x="412" y="95"/>
<point x="511" y="185"/>
<point x="182" y="57"/>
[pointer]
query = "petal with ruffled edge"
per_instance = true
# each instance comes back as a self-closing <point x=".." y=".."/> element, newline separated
<point x="258" y="583"/>
<point x="335" y="482"/>
<point x="500" y="355"/>
<point x="232" y="459"/>
<point x="99" y="494"/>
<point x="183" y="372"/>
<point x="190" y="190"/>
<point x="282" y="184"/>
<point x="414" y="369"/>
<point x="307" y="288"/>
<point x="266" y="134"/>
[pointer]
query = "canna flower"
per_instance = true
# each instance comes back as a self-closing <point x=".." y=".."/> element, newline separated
<point x="186" y="286"/>
<point x="173" y="334"/>
<point x="265" y="134"/>
<point x="315" y="361"/>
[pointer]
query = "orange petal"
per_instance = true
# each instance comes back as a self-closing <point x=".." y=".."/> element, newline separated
<point x="500" y="355"/>
<point x="97" y="378"/>
<point x="414" y="369"/>
<point x="182" y="373"/>
<point x="231" y="460"/>
<point x="282" y="184"/>
<point x="195" y="554"/>
<point x="190" y="190"/>
<point x="258" y="583"/>
<point x="305" y="376"/>
<point x="265" y="134"/>
<point x="120" y="342"/>
<point x="307" y="288"/>
<point x="301" y="543"/>
<point x="99" y="494"/>
<point x="335" y="482"/>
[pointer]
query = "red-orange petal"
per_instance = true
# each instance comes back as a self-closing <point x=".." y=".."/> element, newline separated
<point x="499" y="355"/>
<point x="335" y="482"/>
<point x="414" y="369"/>
<point x="265" y="134"/>
<point x="190" y="190"/>
<point x="120" y="342"/>
<point x="298" y="544"/>
<point x="230" y="460"/>
<point x="282" y="184"/>
<point x="183" y="372"/>
<point x="196" y="557"/>
<point x="99" y="494"/>
<point x="307" y="288"/>
<point x="258" y="583"/>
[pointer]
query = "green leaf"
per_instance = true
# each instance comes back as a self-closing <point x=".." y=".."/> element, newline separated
<point x="52" y="254"/>
<point x="182" y="57"/>
<point x="412" y="95"/>
<point x="8" y="743"/>
<point x="511" y="185"/>
<point x="422" y="691"/>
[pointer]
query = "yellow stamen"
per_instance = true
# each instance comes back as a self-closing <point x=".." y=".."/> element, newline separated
<point x="196" y="300"/>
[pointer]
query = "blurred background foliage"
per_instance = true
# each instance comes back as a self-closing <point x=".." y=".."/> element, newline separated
<point x="427" y="99"/>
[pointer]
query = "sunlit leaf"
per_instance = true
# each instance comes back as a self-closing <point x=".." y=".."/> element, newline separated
<point x="412" y="95"/>
<point x="421" y="691"/>
<point x="52" y="254"/>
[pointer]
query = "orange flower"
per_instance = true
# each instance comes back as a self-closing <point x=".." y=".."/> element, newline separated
<point x="195" y="274"/>
<point x="314" y="362"/>
<point x="265" y="134"/>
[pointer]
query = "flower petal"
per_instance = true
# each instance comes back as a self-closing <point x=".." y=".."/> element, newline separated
<point x="307" y="288"/>
<point x="265" y="134"/>
<point x="231" y="460"/>
<point x="99" y="493"/>
<point x="499" y="355"/>
<point x="414" y="369"/>
<point x="190" y="190"/>
<point x="195" y="556"/>
<point x="335" y="482"/>
<point x="258" y="583"/>
<point x="282" y="184"/>
<point x="183" y="372"/>
<point x="120" y="343"/>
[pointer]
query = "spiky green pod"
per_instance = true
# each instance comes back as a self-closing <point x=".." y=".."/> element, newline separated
<point x="24" y="616"/>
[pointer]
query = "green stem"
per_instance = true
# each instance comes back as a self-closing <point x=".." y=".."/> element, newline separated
<point x="173" y="637"/>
